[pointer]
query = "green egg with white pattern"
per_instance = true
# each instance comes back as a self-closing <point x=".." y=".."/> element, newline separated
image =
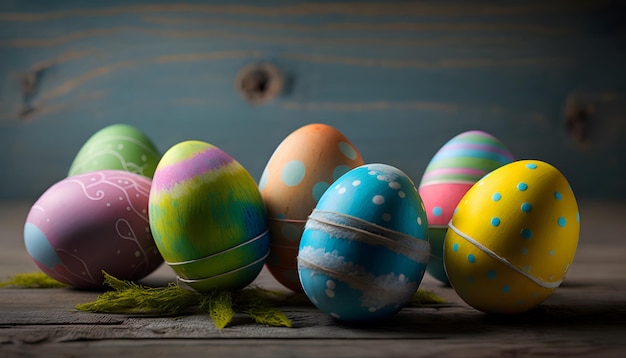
<point x="120" y="147"/>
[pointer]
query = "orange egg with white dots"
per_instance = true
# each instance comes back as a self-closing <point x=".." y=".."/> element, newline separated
<point x="512" y="238"/>
<point x="299" y="171"/>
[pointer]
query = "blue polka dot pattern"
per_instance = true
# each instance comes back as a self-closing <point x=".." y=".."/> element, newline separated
<point x="495" y="221"/>
<point x="437" y="211"/>
<point x="293" y="172"/>
<point x="319" y="189"/>
<point x="517" y="220"/>
<point x="347" y="150"/>
<point x="455" y="247"/>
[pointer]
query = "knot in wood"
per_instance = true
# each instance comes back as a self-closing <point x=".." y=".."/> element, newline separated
<point x="258" y="83"/>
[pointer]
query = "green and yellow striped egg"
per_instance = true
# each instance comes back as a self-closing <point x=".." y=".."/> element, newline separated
<point x="119" y="147"/>
<point x="512" y="238"/>
<point x="207" y="217"/>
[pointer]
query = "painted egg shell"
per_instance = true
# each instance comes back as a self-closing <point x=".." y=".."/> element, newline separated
<point x="301" y="169"/>
<point x="120" y="147"/>
<point x="460" y="163"/>
<point x="91" y="222"/>
<point x="364" y="249"/>
<point x="208" y="217"/>
<point x="513" y="238"/>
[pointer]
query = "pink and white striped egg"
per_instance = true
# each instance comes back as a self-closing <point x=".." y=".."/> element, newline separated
<point x="452" y="171"/>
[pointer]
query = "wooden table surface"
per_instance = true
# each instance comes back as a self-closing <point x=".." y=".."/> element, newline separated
<point x="585" y="317"/>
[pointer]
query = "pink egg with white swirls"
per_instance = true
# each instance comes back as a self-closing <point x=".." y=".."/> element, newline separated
<point x="93" y="222"/>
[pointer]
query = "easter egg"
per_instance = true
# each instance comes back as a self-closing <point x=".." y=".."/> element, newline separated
<point x="87" y="223"/>
<point x="208" y="217"/>
<point x="118" y="146"/>
<point x="452" y="171"/>
<point x="299" y="171"/>
<point x="513" y="238"/>
<point x="364" y="249"/>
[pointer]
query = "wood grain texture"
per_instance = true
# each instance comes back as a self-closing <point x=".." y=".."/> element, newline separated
<point x="397" y="78"/>
<point x="585" y="317"/>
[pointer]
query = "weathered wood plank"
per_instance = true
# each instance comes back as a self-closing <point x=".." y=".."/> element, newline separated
<point x="586" y="316"/>
<point x="314" y="348"/>
<point x="398" y="79"/>
<point x="573" y="309"/>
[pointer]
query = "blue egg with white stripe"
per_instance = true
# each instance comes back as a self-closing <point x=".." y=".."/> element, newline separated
<point x="364" y="249"/>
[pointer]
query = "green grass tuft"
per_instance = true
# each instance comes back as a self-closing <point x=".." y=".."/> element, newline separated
<point x="425" y="297"/>
<point x="32" y="280"/>
<point x="261" y="305"/>
<point x="219" y="305"/>
<point x="130" y="298"/>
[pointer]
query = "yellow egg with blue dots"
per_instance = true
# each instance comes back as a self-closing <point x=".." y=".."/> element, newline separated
<point x="512" y="238"/>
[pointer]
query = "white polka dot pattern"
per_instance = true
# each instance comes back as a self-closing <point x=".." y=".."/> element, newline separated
<point x="364" y="249"/>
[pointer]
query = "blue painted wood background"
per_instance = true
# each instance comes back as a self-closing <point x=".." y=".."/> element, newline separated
<point x="397" y="78"/>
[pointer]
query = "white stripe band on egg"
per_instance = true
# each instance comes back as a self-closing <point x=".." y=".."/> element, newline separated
<point x="352" y="228"/>
<point x="361" y="282"/>
<point x="353" y="280"/>
<point x="507" y="263"/>
<point x="221" y="252"/>
<point x="199" y="280"/>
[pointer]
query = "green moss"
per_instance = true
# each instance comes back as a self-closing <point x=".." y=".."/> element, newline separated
<point x="219" y="305"/>
<point x="127" y="297"/>
<point x="425" y="297"/>
<point x="261" y="306"/>
<point x="130" y="298"/>
<point x="32" y="280"/>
